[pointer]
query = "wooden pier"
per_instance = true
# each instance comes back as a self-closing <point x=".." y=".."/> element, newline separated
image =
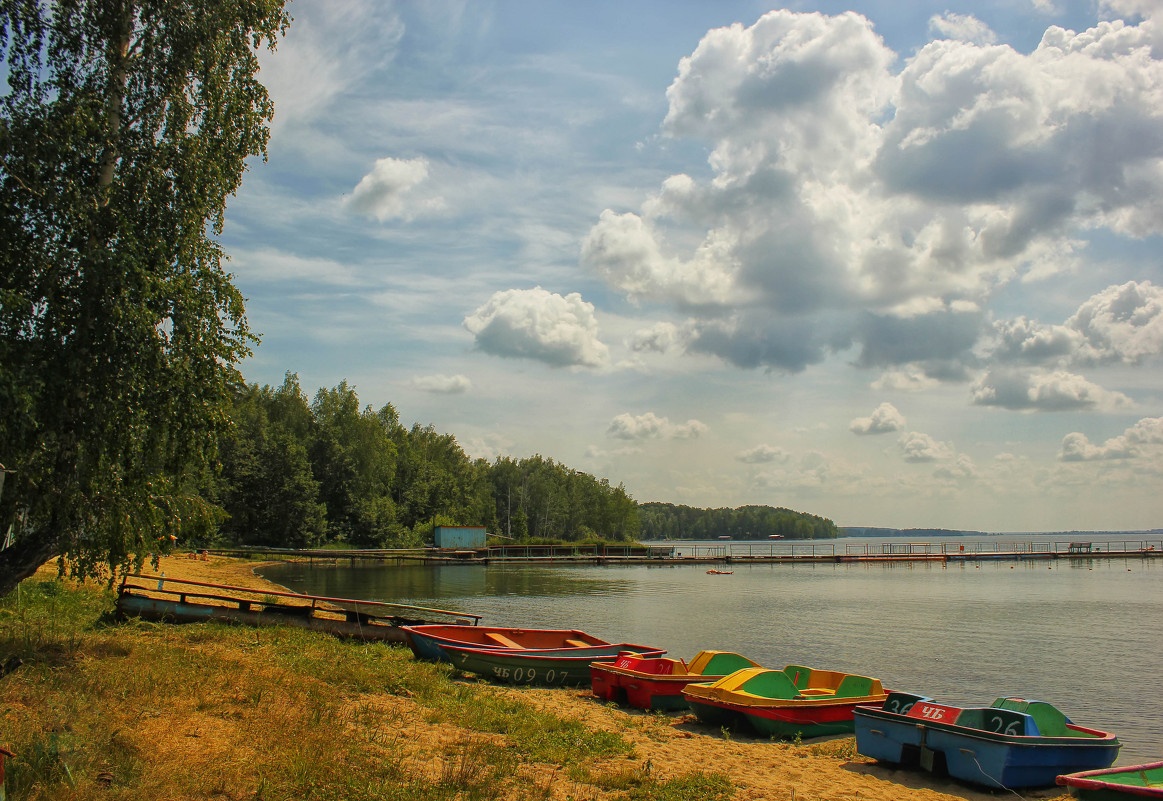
<point x="735" y="552"/>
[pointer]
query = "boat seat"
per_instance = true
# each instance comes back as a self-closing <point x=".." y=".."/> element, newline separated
<point x="800" y="676"/>
<point x="577" y="644"/>
<point x="723" y="663"/>
<point x="769" y="684"/>
<point x="997" y="720"/>
<point x="501" y="639"/>
<point x="900" y="703"/>
<point x="853" y="686"/>
<point x="1049" y="720"/>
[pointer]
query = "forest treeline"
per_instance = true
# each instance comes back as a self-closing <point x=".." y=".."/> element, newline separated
<point x="301" y="473"/>
<point x="666" y="521"/>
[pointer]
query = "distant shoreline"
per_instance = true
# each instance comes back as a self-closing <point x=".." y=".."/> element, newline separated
<point x="869" y="531"/>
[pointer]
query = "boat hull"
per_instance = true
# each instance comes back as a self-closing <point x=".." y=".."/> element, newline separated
<point x="657" y="684"/>
<point x="427" y="642"/>
<point x="1125" y="783"/>
<point x="990" y="758"/>
<point x="522" y="667"/>
<point x="806" y="719"/>
<point x="643" y="691"/>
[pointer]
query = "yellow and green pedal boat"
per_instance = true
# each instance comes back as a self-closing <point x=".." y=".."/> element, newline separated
<point x="795" y="701"/>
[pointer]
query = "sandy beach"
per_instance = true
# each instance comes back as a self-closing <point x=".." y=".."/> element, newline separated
<point x="671" y="745"/>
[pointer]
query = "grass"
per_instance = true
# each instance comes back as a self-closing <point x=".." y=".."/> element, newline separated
<point x="129" y="710"/>
<point x="638" y="784"/>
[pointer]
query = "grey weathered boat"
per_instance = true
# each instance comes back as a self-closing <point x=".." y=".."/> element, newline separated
<point x="184" y="601"/>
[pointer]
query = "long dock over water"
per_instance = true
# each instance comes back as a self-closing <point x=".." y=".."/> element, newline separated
<point x="734" y="552"/>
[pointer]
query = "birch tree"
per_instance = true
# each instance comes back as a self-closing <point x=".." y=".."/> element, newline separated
<point x="125" y="126"/>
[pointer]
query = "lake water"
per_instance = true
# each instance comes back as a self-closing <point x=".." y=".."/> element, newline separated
<point x="1085" y="634"/>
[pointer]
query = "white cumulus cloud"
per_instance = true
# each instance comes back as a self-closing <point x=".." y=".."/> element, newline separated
<point x="442" y="384"/>
<point x="919" y="447"/>
<point x="908" y="379"/>
<point x="1145" y="435"/>
<point x="763" y="454"/>
<point x="959" y="468"/>
<point x="1037" y="390"/>
<point x="965" y="27"/>
<point x="651" y="426"/>
<point x="658" y="338"/>
<point x="540" y="325"/>
<point x="884" y="420"/>
<point x="387" y="193"/>
<point x="1121" y="324"/>
<point x="853" y="204"/>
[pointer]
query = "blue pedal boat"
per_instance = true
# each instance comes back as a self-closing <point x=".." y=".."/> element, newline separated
<point x="1010" y="744"/>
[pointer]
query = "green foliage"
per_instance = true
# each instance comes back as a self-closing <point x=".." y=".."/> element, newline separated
<point x="126" y="127"/>
<point x="666" y="521"/>
<point x="268" y="488"/>
<point x="354" y="462"/>
<point x="537" y="498"/>
<point x="297" y="475"/>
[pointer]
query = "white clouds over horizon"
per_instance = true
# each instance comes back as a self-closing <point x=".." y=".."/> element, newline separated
<point x="763" y="454"/>
<point x="1145" y="434"/>
<point x="441" y="384"/>
<point x="965" y="27"/>
<point x="387" y="191"/>
<point x="791" y="225"/>
<point x="845" y="196"/>
<point x="916" y="446"/>
<point x="651" y="426"/>
<point x="1044" y="391"/>
<point x="540" y="325"/>
<point x="884" y="420"/>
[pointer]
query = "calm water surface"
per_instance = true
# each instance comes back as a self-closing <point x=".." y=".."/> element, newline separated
<point x="1085" y="635"/>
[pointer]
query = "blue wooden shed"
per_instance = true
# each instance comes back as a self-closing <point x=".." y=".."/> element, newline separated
<point x="459" y="536"/>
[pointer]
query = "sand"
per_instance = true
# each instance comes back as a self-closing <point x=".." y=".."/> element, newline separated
<point x="673" y="745"/>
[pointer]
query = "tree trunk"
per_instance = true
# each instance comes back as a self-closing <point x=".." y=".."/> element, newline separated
<point x="22" y="559"/>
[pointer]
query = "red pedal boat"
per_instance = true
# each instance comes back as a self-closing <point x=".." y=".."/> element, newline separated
<point x="657" y="683"/>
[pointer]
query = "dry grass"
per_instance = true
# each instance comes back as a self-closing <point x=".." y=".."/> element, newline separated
<point x="129" y="710"/>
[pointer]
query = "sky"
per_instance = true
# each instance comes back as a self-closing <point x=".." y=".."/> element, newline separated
<point x="894" y="264"/>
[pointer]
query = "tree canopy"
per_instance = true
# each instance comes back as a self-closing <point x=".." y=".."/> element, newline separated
<point x="298" y="473"/>
<point x="125" y="127"/>
<point x="666" y="521"/>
